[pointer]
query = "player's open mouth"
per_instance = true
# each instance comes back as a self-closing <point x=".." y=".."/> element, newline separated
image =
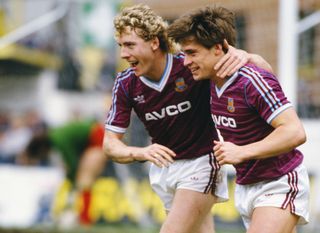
<point x="194" y="69"/>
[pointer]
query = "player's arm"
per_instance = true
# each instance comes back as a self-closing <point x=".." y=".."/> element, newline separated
<point x="119" y="152"/>
<point x="288" y="133"/>
<point x="260" y="62"/>
<point x="234" y="59"/>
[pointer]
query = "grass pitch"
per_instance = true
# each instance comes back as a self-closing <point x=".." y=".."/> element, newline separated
<point x="98" y="229"/>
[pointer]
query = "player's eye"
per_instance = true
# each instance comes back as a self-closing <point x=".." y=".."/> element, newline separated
<point x="130" y="45"/>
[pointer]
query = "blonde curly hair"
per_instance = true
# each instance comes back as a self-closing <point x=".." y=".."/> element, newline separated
<point x="145" y="23"/>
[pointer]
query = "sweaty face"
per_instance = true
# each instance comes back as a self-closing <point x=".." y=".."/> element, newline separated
<point x="136" y="51"/>
<point x="199" y="59"/>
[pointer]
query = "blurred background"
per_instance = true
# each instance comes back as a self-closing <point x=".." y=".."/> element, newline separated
<point x="58" y="61"/>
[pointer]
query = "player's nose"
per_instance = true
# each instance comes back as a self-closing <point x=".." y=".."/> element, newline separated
<point x="124" y="53"/>
<point x="186" y="61"/>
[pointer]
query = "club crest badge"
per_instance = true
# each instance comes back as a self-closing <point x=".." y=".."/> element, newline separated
<point x="230" y="106"/>
<point x="180" y="85"/>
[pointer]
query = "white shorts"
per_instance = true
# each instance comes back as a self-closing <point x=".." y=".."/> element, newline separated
<point x="290" y="189"/>
<point x="201" y="174"/>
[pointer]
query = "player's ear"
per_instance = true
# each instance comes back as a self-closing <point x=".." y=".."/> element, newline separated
<point x="225" y="46"/>
<point x="218" y="49"/>
<point x="155" y="43"/>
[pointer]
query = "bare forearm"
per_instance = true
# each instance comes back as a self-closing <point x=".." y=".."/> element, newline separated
<point x="259" y="61"/>
<point x="119" y="152"/>
<point x="234" y="59"/>
<point x="278" y="142"/>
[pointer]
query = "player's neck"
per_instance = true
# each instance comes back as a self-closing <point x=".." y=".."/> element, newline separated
<point x="158" y="67"/>
<point x="219" y="81"/>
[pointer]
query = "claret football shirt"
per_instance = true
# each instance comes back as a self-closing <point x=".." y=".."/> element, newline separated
<point x="175" y="110"/>
<point x="242" y="110"/>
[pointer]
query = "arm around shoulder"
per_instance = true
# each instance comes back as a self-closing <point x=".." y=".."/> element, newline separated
<point x="234" y="59"/>
<point x="259" y="61"/>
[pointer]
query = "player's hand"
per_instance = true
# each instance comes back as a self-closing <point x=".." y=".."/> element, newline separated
<point x="227" y="153"/>
<point x="232" y="61"/>
<point x="158" y="154"/>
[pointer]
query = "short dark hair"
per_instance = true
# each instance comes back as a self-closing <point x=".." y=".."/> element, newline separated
<point x="208" y="26"/>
